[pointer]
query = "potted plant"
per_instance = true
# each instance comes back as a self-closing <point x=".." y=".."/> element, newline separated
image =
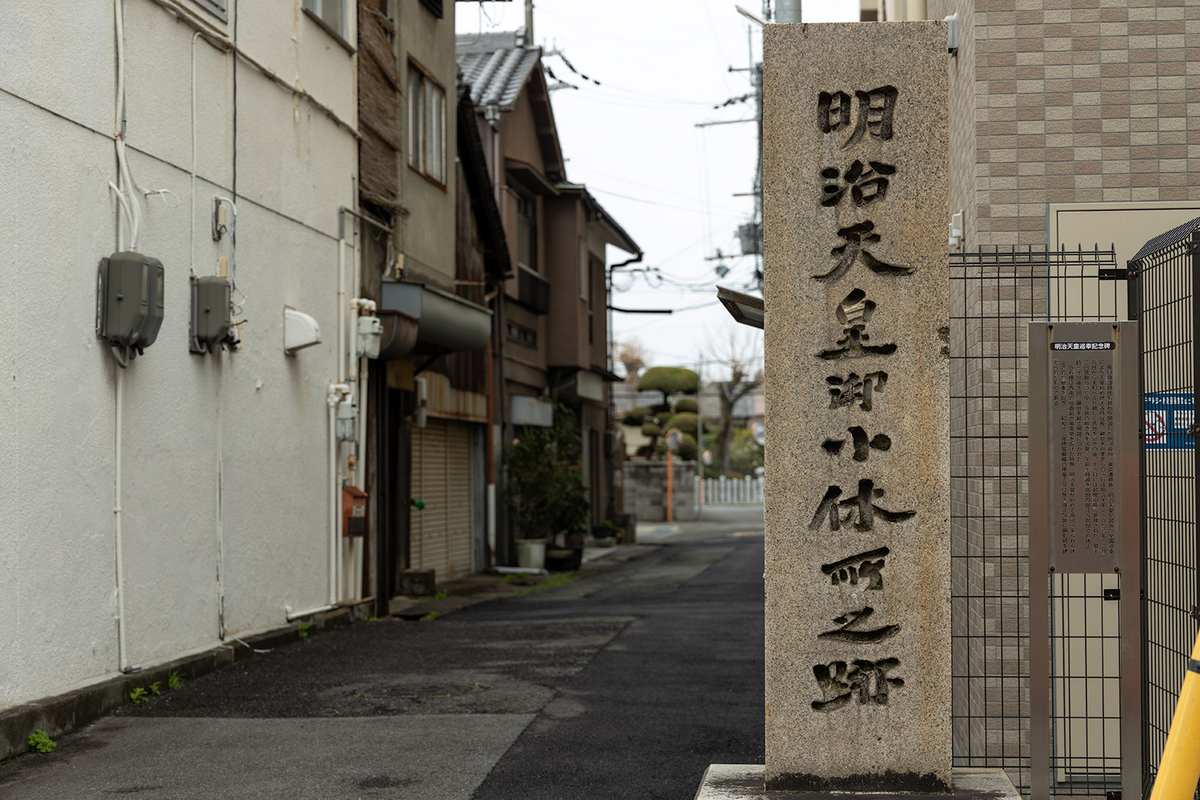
<point x="545" y="494"/>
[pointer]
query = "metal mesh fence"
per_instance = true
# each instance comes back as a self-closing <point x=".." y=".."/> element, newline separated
<point x="1163" y="293"/>
<point x="994" y="294"/>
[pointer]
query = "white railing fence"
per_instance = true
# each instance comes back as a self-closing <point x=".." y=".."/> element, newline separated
<point x="729" y="491"/>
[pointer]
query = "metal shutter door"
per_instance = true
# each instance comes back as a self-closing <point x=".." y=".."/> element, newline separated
<point x="460" y="517"/>
<point x="441" y="476"/>
<point x="428" y="547"/>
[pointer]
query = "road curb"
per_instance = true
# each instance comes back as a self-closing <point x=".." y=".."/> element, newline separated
<point x="61" y="714"/>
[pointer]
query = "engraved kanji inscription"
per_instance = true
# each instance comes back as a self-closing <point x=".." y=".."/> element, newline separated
<point x="850" y="628"/>
<point x="853" y="389"/>
<point x="860" y="510"/>
<point x="862" y="444"/>
<point x="857" y="237"/>
<point x="854" y="313"/>
<point x="869" y="681"/>
<point x="865" y="183"/>
<point x="833" y="111"/>
<point x="876" y="113"/>
<point x="866" y="567"/>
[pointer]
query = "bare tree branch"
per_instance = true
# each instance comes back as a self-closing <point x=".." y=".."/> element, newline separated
<point x="740" y="353"/>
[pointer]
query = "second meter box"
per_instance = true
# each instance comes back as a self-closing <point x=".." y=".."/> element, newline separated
<point x="211" y="317"/>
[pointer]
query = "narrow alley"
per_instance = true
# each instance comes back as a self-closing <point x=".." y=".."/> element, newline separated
<point x="625" y="682"/>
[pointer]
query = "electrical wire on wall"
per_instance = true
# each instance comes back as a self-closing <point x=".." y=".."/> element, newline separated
<point x="235" y="305"/>
<point x="124" y="189"/>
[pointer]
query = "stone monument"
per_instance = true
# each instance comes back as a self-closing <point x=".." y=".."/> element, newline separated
<point x="855" y="155"/>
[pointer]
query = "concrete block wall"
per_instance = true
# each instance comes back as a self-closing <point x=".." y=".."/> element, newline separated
<point x="646" y="490"/>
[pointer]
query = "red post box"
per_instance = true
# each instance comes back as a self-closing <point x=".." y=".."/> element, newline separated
<point x="354" y="511"/>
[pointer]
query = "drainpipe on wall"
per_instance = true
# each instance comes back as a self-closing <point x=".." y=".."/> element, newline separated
<point x="490" y="444"/>
<point x="337" y="391"/>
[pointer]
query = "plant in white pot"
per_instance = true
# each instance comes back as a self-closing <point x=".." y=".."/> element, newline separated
<point x="545" y="495"/>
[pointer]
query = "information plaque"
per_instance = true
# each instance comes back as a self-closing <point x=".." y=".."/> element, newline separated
<point x="1083" y="418"/>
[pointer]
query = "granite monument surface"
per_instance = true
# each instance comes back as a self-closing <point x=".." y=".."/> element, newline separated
<point x="856" y="289"/>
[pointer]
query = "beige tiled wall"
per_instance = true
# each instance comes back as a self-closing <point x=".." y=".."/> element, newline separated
<point x="962" y="113"/>
<point x="1052" y="101"/>
<point x="1081" y="101"/>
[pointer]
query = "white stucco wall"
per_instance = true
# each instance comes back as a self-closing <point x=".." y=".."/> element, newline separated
<point x="256" y="418"/>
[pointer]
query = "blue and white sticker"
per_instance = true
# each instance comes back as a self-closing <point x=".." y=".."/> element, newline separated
<point x="1168" y="415"/>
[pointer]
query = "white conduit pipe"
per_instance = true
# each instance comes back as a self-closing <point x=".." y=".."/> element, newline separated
<point x="119" y="398"/>
<point x="117" y="193"/>
<point x="337" y="533"/>
<point x="131" y="190"/>
<point x="361" y="468"/>
<point x="336" y="495"/>
<point x="295" y="615"/>
<point x="217" y="515"/>
<point x="336" y="392"/>
<point x="340" y="374"/>
<point x="217" y="502"/>
<point x="332" y="403"/>
<point x="358" y="377"/>
<point x="117" y="492"/>
<point x="192" y="204"/>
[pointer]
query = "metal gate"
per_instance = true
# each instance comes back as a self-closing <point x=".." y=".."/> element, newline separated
<point x="1163" y="276"/>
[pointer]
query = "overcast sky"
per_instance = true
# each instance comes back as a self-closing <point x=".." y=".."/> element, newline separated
<point x="662" y="67"/>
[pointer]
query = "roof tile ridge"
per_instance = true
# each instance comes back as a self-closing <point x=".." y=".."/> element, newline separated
<point x="481" y="85"/>
<point x="503" y="76"/>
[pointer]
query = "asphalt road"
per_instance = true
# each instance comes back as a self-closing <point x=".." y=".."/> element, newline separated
<point x="626" y="683"/>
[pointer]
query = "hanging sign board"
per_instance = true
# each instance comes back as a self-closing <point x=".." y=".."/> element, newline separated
<point x="1083" y="429"/>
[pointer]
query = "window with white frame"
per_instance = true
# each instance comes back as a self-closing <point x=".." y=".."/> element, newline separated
<point x="331" y="14"/>
<point x="426" y="124"/>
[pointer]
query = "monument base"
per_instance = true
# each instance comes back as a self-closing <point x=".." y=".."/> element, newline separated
<point x="747" y="782"/>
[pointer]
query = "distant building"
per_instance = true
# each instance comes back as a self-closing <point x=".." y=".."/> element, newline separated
<point x="552" y="315"/>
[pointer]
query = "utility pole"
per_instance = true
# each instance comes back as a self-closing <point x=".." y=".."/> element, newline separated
<point x="787" y="10"/>
<point x="529" y="22"/>
<point x="756" y="74"/>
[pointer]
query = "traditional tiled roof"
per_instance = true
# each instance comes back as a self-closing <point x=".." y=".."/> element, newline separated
<point x="496" y="67"/>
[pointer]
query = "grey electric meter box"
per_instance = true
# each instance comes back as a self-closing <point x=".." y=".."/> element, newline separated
<point x="211" y="318"/>
<point x="129" y="300"/>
